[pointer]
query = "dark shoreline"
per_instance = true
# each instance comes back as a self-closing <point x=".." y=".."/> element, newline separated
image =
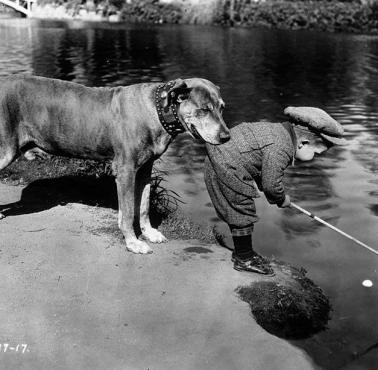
<point x="335" y="16"/>
<point x="324" y="16"/>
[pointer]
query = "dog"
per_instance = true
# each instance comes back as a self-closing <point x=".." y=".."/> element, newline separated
<point x="131" y="125"/>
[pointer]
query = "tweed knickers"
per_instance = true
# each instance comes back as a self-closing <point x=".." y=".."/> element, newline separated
<point x="236" y="209"/>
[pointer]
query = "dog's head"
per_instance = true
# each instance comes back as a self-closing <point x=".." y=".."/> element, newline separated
<point x="200" y="109"/>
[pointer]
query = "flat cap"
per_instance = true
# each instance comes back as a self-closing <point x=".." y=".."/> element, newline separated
<point x="318" y="120"/>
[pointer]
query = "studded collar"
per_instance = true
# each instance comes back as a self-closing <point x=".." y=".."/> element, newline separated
<point x="168" y="113"/>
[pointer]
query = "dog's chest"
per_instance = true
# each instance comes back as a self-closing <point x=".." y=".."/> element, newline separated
<point x="161" y="145"/>
<point x="152" y="150"/>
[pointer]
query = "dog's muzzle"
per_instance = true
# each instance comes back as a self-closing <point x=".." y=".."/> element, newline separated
<point x="192" y="129"/>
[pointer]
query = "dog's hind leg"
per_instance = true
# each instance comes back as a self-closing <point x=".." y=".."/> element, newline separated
<point x="34" y="153"/>
<point x="143" y="200"/>
<point x="5" y="160"/>
<point x="125" y="180"/>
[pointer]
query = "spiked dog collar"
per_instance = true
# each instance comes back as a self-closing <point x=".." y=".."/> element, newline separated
<point x="168" y="116"/>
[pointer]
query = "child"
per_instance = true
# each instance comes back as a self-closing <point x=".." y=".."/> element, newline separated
<point x="259" y="153"/>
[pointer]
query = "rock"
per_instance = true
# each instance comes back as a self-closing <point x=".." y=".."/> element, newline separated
<point x="289" y="305"/>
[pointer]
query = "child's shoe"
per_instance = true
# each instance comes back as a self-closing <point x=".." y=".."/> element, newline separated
<point x="256" y="264"/>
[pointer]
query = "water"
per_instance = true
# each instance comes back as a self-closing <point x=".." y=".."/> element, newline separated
<point x="260" y="72"/>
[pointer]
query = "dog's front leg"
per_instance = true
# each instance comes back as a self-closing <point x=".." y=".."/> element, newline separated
<point x="144" y="186"/>
<point x="126" y="198"/>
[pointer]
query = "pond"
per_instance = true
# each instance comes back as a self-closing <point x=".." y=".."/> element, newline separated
<point x="260" y="72"/>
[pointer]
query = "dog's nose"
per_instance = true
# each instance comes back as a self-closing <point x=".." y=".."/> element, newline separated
<point x="224" y="136"/>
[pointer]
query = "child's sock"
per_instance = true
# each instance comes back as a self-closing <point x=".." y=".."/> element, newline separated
<point x="243" y="246"/>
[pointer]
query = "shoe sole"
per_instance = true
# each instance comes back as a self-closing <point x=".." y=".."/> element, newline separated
<point x="255" y="272"/>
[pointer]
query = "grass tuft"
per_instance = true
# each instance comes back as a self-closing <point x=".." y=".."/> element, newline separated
<point x="179" y="226"/>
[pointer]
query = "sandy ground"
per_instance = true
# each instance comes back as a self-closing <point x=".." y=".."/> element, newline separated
<point x="73" y="295"/>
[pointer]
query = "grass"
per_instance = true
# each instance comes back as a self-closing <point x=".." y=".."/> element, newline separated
<point x="179" y="226"/>
<point x="22" y="171"/>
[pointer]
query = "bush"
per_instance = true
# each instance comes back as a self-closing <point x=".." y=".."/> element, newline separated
<point x="151" y="11"/>
<point x="323" y="15"/>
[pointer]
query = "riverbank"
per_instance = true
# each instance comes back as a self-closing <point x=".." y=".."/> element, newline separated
<point x="334" y="16"/>
<point x="278" y="303"/>
<point x="73" y="298"/>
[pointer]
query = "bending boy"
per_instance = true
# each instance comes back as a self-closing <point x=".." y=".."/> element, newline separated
<point x="258" y="153"/>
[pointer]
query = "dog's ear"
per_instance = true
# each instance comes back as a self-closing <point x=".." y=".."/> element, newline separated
<point x="177" y="93"/>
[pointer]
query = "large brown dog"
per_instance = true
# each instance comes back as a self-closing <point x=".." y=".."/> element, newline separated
<point x="131" y="125"/>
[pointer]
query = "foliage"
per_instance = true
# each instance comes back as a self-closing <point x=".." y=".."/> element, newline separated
<point x="340" y="16"/>
<point x="151" y="11"/>
<point x="163" y="201"/>
<point x="334" y="16"/>
<point x="320" y="15"/>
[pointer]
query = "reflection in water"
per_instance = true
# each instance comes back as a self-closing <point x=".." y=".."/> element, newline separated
<point x="363" y="123"/>
<point x="16" y="48"/>
<point x="260" y="72"/>
<point x="366" y="153"/>
<point x="97" y="57"/>
<point x="309" y="182"/>
<point x="309" y="185"/>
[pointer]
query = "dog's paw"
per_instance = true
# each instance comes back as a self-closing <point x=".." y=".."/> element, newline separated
<point x="138" y="246"/>
<point x="154" y="236"/>
<point x="2" y="216"/>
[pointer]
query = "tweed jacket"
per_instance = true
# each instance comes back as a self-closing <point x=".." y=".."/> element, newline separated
<point x="257" y="152"/>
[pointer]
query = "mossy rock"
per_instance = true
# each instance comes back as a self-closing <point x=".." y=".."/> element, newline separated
<point x="289" y="305"/>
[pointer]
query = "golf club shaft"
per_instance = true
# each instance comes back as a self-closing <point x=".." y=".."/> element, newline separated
<point x="293" y="205"/>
